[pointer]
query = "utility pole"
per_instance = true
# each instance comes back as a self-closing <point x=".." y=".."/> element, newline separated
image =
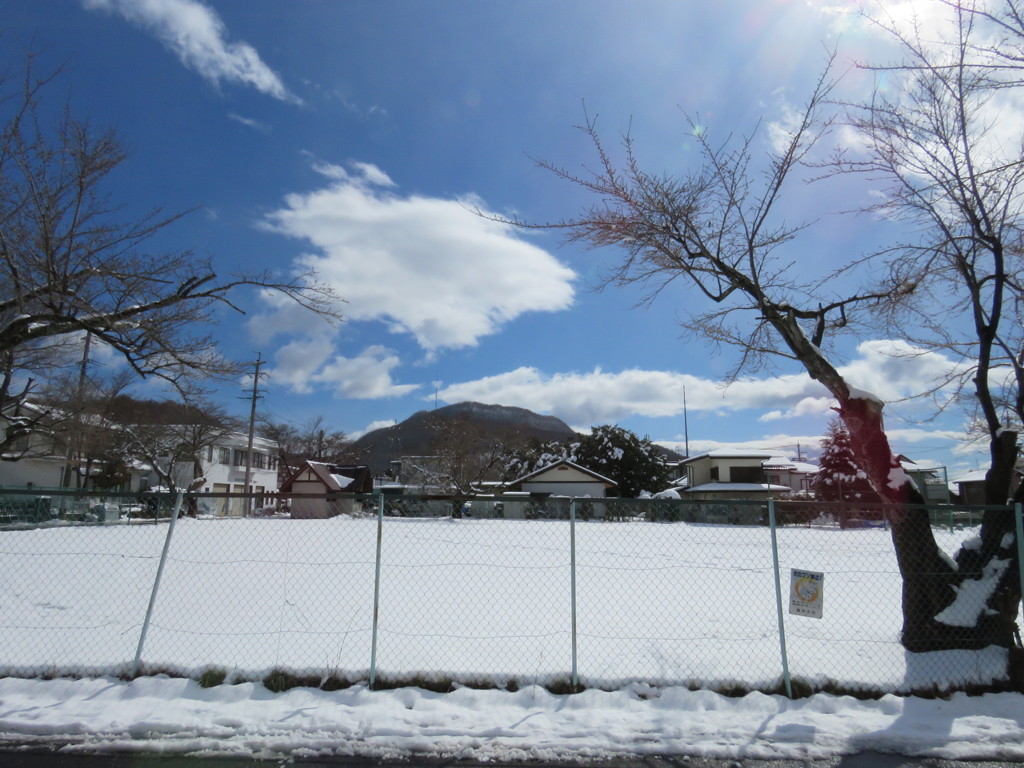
<point x="74" y="439"/>
<point x="252" y="431"/>
<point x="686" y="426"/>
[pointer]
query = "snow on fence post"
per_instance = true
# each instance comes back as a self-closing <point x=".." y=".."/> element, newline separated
<point x="156" y="584"/>
<point x="376" y="591"/>
<point x="778" y="599"/>
<point x="1019" y="521"/>
<point x="572" y="589"/>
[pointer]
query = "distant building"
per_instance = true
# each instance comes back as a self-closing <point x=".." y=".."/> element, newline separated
<point x="332" y="490"/>
<point x="36" y="460"/>
<point x="932" y="482"/>
<point x="796" y="475"/>
<point x="728" y="474"/>
<point x="564" y="478"/>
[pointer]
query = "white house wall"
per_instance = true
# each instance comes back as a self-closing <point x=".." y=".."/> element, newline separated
<point x="563" y="473"/>
<point x="31" y="473"/>
<point x="592" y="488"/>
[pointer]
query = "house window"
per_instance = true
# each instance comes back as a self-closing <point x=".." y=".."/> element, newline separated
<point x="747" y="474"/>
<point x="714" y="474"/>
<point x="239" y="458"/>
<point x="223" y="456"/>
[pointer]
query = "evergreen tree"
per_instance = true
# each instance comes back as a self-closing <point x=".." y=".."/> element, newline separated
<point x="840" y="479"/>
<point x="634" y="463"/>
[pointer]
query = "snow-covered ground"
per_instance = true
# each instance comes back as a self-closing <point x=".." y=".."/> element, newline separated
<point x="660" y="609"/>
<point x="176" y="716"/>
<point x="469" y="601"/>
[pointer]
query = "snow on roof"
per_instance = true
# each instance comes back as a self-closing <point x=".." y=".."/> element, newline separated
<point x="567" y="463"/>
<point x="728" y="453"/>
<point x="725" y="487"/>
<point x="974" y="476"/>
<point x="781" y="462"/>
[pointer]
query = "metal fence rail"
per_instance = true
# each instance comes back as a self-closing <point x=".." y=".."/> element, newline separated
<point x="500" y="591"/>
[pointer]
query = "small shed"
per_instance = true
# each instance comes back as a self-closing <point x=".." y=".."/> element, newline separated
<point x="320" y="490"/>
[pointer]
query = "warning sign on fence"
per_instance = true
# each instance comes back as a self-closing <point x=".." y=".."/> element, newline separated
<point x="806" y="593"/>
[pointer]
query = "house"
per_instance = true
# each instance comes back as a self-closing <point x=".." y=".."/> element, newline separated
<point x="728" y="474"/>
<point x="418" y="474"/>
<point x="222" y="472"/>
<point x="36" y="460"/>
<point x="971" y="487"/>
<point x="320" y="490"/>
<point x="564" y="478"/>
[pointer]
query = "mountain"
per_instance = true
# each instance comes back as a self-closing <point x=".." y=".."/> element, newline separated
<point x="416" y="435"/>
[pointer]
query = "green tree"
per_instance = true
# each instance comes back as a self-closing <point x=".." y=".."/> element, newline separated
<point x="840" y="478"/>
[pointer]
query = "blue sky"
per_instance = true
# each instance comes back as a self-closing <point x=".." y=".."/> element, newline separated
<point x="358" y="137"/>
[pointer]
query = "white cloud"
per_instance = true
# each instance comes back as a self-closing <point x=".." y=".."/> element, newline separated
<point x="809" y="406"/>
<point x="933" y="27"/>
<point x="366" y="376"/>
<point x="425" y="266"/>
<point x="196" y="34"/>
<point x="891" y="369"/>
<point x="256" y="125"/>
<point x="305" y="365"/>
<point x="805" y="447"/>
<point x="782" y="130"/>
<point x="373" y="425"/>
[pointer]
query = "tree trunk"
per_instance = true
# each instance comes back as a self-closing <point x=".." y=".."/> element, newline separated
<point x="930" y="580"/>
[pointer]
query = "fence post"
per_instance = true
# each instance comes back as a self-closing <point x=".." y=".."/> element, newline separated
<point x="156" y="584"/>
<point x="572" y="589"/>
<point x="778" y="600"/>
<point x="1019" y="522"/>
<point x="376" y="591"/>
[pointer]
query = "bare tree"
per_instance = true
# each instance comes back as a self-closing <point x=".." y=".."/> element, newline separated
<point x="717" y="228"/>
<point x="465" y="454"/>
<point x="82" y="421"/>
<point x="949" y="160"/>
<point x="951" y="167"/>
<point x="173" y="445"/>
<point x="69" y="263"/>
<point x="285" y="438"/>
<point x="313" y="439"/>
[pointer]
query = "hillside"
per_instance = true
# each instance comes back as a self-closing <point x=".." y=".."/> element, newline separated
<point x="416" y="435"/>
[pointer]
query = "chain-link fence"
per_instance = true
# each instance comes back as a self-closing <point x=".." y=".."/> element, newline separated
<point x="503" y="591"/>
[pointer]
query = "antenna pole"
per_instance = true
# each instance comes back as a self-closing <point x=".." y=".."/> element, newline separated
<point x="686" y="425"/>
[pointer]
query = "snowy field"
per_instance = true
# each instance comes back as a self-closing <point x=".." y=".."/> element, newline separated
<point x="469" y="601"/>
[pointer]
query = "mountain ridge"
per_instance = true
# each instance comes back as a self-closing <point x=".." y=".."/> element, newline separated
<point x="416" y="435"/>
